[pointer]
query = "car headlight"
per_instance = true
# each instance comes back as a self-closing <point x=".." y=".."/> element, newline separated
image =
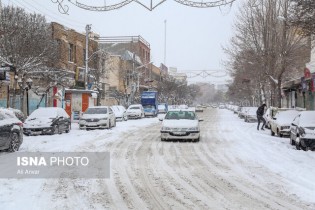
<point x="82" y="122"/>
<point x="166" y="128"/>
<point x="193" y="129"/>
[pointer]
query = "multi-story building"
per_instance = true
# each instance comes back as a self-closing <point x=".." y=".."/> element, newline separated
<point x="118" y="45"/>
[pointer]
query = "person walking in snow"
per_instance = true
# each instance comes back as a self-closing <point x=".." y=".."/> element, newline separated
<point x="260" y="116"/>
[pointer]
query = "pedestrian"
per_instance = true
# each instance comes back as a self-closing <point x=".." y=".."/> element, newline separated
<point x="260" y="116"/>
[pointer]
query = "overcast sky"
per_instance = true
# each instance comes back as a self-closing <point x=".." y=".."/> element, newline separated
<point x="194" y="36"/>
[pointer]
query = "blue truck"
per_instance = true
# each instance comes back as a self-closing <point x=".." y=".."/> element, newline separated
<point x="149" y="101"/>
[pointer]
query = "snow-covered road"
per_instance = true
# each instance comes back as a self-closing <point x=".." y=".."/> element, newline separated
<point x="234" y="166"/>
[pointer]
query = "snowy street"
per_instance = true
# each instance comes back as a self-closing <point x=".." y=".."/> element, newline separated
<point x="234" y="166"/>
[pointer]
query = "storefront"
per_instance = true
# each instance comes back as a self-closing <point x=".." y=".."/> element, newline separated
<point x="77" y="101"/>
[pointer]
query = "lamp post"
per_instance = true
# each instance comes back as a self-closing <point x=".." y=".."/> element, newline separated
<point x="26" y="87"/>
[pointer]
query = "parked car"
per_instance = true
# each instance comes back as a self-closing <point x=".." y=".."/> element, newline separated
<point x="162" y="108"/>
<point x="242" y="111"/>
<point x="48" y="120"/>
<point x="97" y="117"/>
<point x="199" y="108"/>
<point x="120" y="112"/>
<point x="135" y="111"/>
<point x="302" y="131"/>
<point x="180" y="125"/>
<point x="250" y="114"/>
<point x="18" y="113"/>
<point x="11" y="131"/>
<point x="271" y="112"/>
<point x="280" y="124"/>
<point x="221" y="106"/>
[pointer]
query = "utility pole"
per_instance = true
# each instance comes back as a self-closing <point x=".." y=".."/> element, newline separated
<point x="87" y="32"/>
<point x="164" y="42"/>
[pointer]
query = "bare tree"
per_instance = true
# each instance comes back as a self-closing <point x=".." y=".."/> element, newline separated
<point x="266" y="50"/>
<point x="302" y="15"/>
<point x="26" y="42"/>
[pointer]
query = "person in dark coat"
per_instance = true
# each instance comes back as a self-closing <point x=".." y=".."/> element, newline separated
<point x="260" y="113"/>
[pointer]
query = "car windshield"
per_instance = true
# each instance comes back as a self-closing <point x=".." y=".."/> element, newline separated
<point x="96" y="111"/>
<point x="134" y="107"/>
<point x="180" y="115"/>
<point x="286" y="115"/>
<point x="148" y="107"/>
<point x="44" y="113"/>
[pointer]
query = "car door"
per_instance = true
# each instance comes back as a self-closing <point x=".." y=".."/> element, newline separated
<point x="294" y="126"/>
<point x="5" y="129"/>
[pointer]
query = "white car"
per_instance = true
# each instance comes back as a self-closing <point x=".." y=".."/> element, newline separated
<point x="120" y="112"/>
<point x="302" y="133"/>
<point x="97" y="117"/>
<point x="250" y="114"/>
<point x="180" y="125"/>
<point x="135" y="111"/>
<point x="280" y="124"/>
<point x="270" y="114"/>
<point x="199" y="108"/>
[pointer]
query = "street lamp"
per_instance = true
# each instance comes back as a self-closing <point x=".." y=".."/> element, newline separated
<point x="28" y="86"/>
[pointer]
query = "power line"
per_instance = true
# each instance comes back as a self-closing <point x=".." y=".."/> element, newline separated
<point x="51" y="17"/>
<point x="63" y="8"/>
<point x="31" y="8"/>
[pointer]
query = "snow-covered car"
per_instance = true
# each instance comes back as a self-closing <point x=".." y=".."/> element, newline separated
<point x="135" y="111"/>
<point x="221" y="106"/>
<point x="120" y="112"/>
<point x="18" y="113"/>
<point x="98" y="117"/>
<point x="280" y="124"/>
<point x="271" y="112"/>
<point x="180" y="125"/>
<point x="250" y="114"/>
<point x="47" y="120"/>
<point x="302" y="131"/>
<point x="199" y="108"/>
<point x="242" y="111"/>
<point x="11" y="131"/>
<point x="237" y="109"/>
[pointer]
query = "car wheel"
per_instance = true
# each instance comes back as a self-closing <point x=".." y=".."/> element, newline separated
<point x="15" y="142"/>
<point x="303" y="148"/>
<point x="162" y="139"/>
<point x="197" y="140"/>
<point x="279" y="134"/>
<point x="272" y="133"/>
<point x="68" y="130"/>
<point x="114" y="123"/>
<point x="292" y="142"/>
<point x="109" y="125"/>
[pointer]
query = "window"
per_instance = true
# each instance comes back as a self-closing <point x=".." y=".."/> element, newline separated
<point x="71" y="52"/>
